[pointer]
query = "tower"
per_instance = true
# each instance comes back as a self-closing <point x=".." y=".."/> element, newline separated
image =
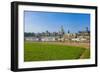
<point x="62" y="30"/>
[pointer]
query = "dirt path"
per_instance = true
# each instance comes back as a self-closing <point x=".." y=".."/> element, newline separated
<point x="82" y="56"/>
<point x="85" y="54"/>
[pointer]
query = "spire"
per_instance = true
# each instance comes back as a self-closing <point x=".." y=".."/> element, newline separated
<point x="62" y="30"/>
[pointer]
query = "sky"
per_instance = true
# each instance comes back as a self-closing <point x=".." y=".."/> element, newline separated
<point x="38" y="22"/>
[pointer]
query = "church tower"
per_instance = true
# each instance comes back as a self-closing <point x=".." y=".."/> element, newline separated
<point x="61" y="32"/>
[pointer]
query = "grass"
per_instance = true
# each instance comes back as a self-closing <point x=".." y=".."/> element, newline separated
<point x="40" y="51"/>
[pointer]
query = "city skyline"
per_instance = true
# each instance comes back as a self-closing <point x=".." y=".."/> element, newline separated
<point x="38" y="22"/>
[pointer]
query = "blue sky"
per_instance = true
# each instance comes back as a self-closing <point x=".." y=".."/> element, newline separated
<point x="52" y="21"/>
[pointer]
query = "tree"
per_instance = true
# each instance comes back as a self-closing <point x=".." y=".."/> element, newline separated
<point x="29" y="34"/>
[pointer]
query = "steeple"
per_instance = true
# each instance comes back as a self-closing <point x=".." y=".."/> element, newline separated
<point x="62" y="30"/>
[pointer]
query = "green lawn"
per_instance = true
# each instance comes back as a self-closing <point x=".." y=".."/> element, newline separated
<point x="40" y="51"/>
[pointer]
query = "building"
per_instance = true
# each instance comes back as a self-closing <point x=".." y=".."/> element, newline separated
<point x="45" y="36"/>
<point x="81" y="36"/>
